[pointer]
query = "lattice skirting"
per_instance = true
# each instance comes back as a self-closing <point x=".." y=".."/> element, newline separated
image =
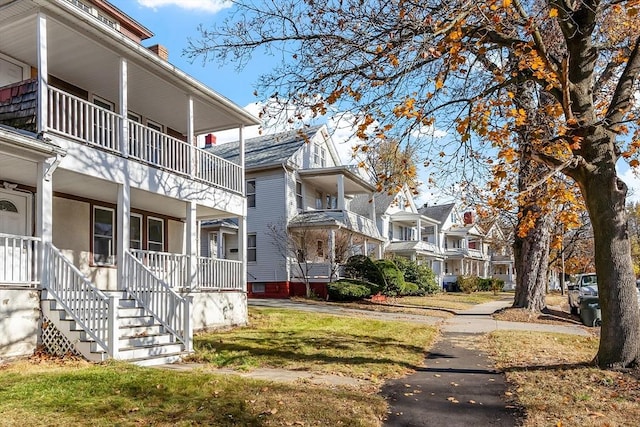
<point x="54" y="342"/>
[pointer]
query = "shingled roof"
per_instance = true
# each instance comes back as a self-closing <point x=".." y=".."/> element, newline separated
<point x="267" y="150"/>
<point x="437" y="212"/>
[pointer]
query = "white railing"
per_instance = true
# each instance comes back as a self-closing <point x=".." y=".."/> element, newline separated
<point x="87" y="122"/>
<point x="19" y="260"/>
<point x="362" y="224"/>
<point x="311" y="270"/>
<point x="219" y="274"/>
<point x="216" y="170"/>
<point x="91" y="309"/>
<point x="158" y="149"/>
<point x="83" y="120"/>
<point x="168" y="267"/>
<point x="157" y="297"/>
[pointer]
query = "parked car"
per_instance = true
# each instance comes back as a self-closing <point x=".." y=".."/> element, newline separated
<point x="586" y="285"/>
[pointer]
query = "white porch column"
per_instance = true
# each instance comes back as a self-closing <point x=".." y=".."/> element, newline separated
<point x="124" y="108"/>
<point x="43" y="73"/>
<point x="191" y="245"/>
<point x="373" y="209"/>
<point x="191" y="139"/>
<point x="123" y="218"/>
<point x="365" y="248"/>
<point x="340" y="185"/>
<point x="44" y="217"/>
<point x="419" y="227"/>
<point x="380" y="250"/>
<point x="242" y="220"/>
<point x="332" y="254"/>
<point x="220" y="246"/>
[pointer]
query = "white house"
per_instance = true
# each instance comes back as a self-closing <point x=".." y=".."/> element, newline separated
<point x="102" y="189"/>
<point x="297" y="188"/>
<point x="407" y="232"/>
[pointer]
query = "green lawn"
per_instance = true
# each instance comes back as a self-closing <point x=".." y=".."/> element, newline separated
<point x="54" y="393"/>
<point x="356" y="347"/>
<point x="454" y="300"/>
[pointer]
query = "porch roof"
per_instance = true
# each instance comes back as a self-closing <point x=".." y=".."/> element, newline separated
<point x="418" y="247"/>
<point x="411" y="216"/>
<point x="336" y="219"/>
<point x="87" y="53"/>
<point x="326" y="178"/>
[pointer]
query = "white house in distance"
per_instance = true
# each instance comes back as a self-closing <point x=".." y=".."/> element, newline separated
<point x="102" y="188"/>
<point x="295" y="181"/>
<point x="407" y="232"/>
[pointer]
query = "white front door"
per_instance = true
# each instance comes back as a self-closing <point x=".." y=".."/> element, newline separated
<point x="16" y="256"/>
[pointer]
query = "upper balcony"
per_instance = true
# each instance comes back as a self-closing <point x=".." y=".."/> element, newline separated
<point x="75" y="77"/>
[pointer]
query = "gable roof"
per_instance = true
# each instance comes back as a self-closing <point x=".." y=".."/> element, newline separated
<point x="266" y="150"/>
<point x="437" y="212"/>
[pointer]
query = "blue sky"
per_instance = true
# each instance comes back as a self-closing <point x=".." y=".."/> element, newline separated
<point x="174" y="21"/>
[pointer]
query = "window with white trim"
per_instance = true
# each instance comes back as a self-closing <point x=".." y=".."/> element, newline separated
<point x="251" y="247"/>
<point x="103" y="236"/>
<point x="155" y="234"/>
<point x="251" y="193"/>
<point x="299" y="198"/>
<point x="319" y="155"/>
<point x="135" y="231"/>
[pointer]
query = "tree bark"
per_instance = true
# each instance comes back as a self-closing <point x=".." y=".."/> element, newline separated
<point x="531" y="258"/>
<point x="605" y="196"/>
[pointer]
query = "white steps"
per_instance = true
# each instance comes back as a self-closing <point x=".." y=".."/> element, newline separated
<point x="141" y="340"/>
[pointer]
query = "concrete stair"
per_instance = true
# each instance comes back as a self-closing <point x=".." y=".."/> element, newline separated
<point x="141" y="339"/>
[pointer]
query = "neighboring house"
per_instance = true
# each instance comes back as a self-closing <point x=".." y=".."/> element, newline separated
<point x="408" y="233"/>
<point x="464" y="244"/>
<point x="102" y="188"/>
<point x="300" y="223"/>
<point x="501" y="255"/>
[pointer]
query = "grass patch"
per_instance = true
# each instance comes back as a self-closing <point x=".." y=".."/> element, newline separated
<point x="82" y="394"/>
<point x="554" y="381"/>
<point x="289" y="339"/>
<point x="454" y="300"/>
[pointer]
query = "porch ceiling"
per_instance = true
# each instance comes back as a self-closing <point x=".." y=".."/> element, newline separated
<point x="326" y="179"/>
<point x="89" y="58"/>
<point x="18" y="170"/>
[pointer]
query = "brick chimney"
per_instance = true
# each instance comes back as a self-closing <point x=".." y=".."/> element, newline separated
<point x="468" y="218"/>
<point x="160" y="50"/>
<point x="209" y="140"/>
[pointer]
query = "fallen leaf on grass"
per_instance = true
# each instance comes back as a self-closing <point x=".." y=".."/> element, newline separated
<point x="473" y="402"/>
<point x="596" y="414"/>
<point x="437" y="375"/>
<point x="453" y="400"/>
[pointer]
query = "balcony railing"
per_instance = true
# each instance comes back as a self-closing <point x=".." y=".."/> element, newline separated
<point x="19" y="260"/>
<point x="83" y="121"/>
<point x="219" y="274"/>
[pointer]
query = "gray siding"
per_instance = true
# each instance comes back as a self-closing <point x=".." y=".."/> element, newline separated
<point x="270" y="209"/>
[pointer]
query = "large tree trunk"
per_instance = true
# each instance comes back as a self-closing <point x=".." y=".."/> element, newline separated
<point x="531" y="258"/>
<point x="605" y="196"/>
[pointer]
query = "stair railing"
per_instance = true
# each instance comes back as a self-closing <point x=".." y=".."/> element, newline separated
<point x="88" y="306"/>
<point x="159" y="299"/>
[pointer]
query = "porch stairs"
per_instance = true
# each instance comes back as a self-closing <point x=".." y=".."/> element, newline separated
<point x="141" y="339"/>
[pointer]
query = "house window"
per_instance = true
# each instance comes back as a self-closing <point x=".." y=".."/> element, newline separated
<point x="390" y="231"/>
<point x="155" y="234"/>
<point x="135" y="231"/>
<point x="103" y="126"/>
<point x="320" y="249"/>
<point x="251" y="247"/>
<point x="299" y="199"/>
<point x="154" y="142"/>
<point x="258" y="288"/>
<point x="251" y="193"/>
<point x="103" y="236"/>
<point x="319" y="156"/>
<point x="332" y="201"/>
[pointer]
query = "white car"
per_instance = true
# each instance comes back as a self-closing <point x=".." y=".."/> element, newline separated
<point x="586" y="286"/>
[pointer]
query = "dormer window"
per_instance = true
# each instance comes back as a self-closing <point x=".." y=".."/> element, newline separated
<point x="319" y="156"/>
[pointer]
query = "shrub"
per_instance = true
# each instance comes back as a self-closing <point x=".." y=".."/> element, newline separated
<point x="347" y="291"/>
<point x="374" y="288"/>
<point x="484" y="285"/>
<point x="497" y="285"/>
<point x="467" y="284"/>
<point x="363" y="268"/>
<point x="392" y="277"/>
<point x="412" y="289"/>
<point x="419" y="274"/>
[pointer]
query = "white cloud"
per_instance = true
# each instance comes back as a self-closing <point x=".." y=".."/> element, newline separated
<point x="209" y="6"/>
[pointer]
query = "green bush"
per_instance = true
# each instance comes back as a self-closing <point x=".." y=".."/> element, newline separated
<point x="363" y="268"/>
<point x="484" y="285"/>
<point x="347" y="291"/>
<point x="412" y="289"/>
<point x="374" y="288"/>
<point x="497" y="285"/>
<point x="392" y="277"/>
<point x="419" y="274"/>
<point x="467" y="284"/>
